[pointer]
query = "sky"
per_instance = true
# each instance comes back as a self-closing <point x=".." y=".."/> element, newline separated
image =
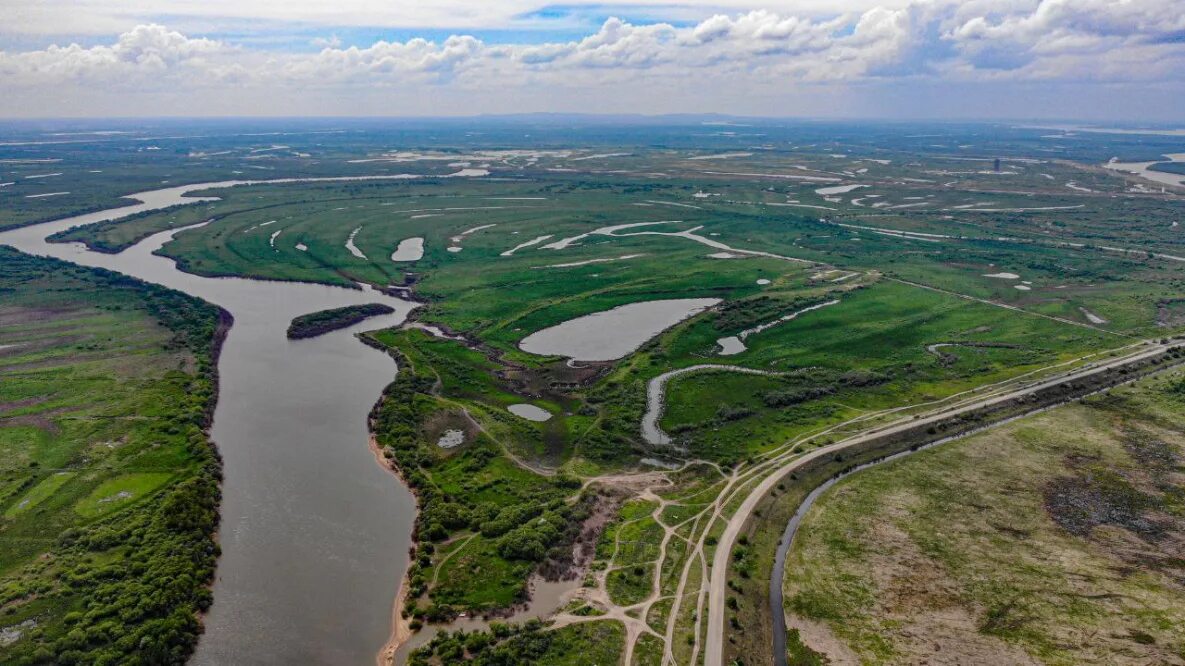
<point x="1111" y="61"/>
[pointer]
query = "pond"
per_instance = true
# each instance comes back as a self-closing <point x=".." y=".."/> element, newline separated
<point x="613" y="334"/>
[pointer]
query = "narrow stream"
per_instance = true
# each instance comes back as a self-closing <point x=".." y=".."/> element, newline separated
<point x="314" y="533"/>
<point x="776" y="607"/>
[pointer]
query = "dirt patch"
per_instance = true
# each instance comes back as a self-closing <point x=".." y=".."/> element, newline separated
<point x="918" y="598"/>
<point x="918" y="585"/>
<point x="951" y="636"/>
<point x="819" y="638"/>
<point x="442" y="422"/>
<point x="1133" y="514"/>
<point x="1151" y="452"/>
<point x="41" y="421"/>
<point x="633" y="484"/>
<point x="34" y="421"/>
<point x="1099" y="496"/>
<point x="554" y="378"/>
<point x="1170" y="312"/>
<point x="1131" y="498"/>
<point x="15" y="316"/>
<point x="604" y="506"/>
<point x="45" y="340"/>
<point x="21" y="404"/>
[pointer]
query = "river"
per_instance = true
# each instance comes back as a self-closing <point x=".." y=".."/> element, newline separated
<point x="1145" y="170"/>
<point x="314" y="533"/>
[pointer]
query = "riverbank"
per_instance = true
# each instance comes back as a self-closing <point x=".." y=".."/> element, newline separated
<point x="91" y="468"/>
<point x="401" y="630"/>
<point x="494" y="538"/>
<point x="287" y="482"/>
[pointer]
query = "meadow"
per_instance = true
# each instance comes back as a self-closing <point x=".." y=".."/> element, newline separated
<point x="1050" y="539"/>
<point x="109" y="485"/>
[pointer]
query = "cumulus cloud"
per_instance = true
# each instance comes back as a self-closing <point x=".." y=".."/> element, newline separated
<point x="103" y="17"/>
<point x="145" y="50"/>
<point x="934" y="40"/>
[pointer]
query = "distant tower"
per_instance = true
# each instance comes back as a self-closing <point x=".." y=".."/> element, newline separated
<point x="997" y="165"/>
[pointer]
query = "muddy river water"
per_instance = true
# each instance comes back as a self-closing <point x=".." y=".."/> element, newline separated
<point x="314" y="533"/>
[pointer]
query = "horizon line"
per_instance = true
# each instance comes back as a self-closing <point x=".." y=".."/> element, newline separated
<point x="1039" y="122"/>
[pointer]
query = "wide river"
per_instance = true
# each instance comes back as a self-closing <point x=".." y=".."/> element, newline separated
<point x="314" y="533"/>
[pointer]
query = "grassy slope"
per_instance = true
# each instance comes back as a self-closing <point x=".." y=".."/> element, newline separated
<point x="1055" y="538"/>
<point x="108" y="482"/>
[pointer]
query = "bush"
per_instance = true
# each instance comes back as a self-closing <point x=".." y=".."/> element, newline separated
<point x="791" y="397"/>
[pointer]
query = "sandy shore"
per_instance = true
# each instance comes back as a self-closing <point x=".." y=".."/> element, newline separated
<point x="400" y="627"/>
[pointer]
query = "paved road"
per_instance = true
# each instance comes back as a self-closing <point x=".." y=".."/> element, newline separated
<point x="717" y="590"/>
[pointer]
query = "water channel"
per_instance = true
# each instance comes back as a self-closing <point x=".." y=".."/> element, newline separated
<point x="314" y="532"/>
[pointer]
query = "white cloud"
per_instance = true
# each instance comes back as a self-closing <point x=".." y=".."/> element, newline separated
<point x="1091" y="42"/>
<point x="146" y="50"/>
<point x="331" y="42"/>
<point x="99" y="17"/>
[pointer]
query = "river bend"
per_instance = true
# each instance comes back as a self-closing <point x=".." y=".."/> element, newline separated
<point x="314" y="533"/>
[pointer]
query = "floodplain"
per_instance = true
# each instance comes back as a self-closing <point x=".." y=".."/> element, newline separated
<point x="619" y="335"/>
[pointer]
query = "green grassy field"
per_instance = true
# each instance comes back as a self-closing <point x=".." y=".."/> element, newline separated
<point x="108" y="482"/>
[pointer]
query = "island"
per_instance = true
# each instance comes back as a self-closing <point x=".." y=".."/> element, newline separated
<point x="327" y="321"/>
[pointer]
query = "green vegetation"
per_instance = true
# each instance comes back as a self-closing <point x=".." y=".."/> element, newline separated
<point x="882" y="325"/>
<point x="485" y="522"/>
<point x="648" y="651"/>
<point x="40" y="492"/>
<point x="320" y="323"/>
<point x="109" y="485"/>
<point x="949" y="278"/>
<point x="867" y="353"/>
<point x="116" y="235"/>
<point x="596" y="643"/>
<point x="798" y="654"/>
<point x="918" y="320"/>
<point x="1005" y="546"/>
<point x="113" y="494"/>
<point x="634" y="548"/>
